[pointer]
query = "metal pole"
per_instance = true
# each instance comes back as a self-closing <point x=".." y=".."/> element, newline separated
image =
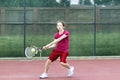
<point x="94" y="30"/>
<point x="24" y="2"/>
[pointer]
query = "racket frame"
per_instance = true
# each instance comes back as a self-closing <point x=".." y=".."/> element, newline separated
<point x="37" y="50"/>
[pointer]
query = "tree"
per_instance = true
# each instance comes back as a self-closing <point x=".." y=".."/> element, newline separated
<point x="64" y="3"/>
<point x="101" y="2"/>
<point x="29" y="3"/>
<point x="52" y="3"/>
<point x="107" y="2"/>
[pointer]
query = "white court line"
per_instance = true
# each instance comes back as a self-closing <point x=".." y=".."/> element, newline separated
<point x="17" y="76"/>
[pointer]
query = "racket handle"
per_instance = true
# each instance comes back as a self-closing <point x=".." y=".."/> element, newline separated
<point x="41" y="48"/>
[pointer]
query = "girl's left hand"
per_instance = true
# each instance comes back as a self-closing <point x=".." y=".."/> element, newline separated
<point x="45" y="48"/>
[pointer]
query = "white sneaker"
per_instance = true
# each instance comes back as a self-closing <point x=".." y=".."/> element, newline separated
<point x="70" y="71"/>
<point x="43" y="76"/>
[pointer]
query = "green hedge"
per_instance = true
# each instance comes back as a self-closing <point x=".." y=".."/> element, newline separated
<point x="80" y="44"/>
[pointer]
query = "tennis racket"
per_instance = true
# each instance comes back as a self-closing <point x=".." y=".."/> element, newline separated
<point x="31" y="51"/>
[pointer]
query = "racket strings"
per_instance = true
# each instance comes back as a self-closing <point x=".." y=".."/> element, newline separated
<point x="29" y="53"/>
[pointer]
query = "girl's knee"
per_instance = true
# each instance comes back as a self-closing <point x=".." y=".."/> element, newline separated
<point x="48" y="61"/>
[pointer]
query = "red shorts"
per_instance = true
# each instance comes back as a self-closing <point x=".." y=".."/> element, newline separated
<point x="55" y="54"/>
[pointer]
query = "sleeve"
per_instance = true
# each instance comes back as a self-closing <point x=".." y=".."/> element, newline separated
<point x="66" y="33"/>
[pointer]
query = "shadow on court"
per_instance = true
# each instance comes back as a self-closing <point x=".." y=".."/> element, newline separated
<point x="97" y="69"/>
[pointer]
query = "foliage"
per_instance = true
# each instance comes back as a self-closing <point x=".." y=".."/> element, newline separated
<point x="51" y="3"/>
<point x="80" y="44"/>
<point x="31" y="3"/>
<point x="103" y="2"/>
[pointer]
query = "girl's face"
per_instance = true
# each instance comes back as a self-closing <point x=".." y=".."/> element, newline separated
<point x="60" y="26"/>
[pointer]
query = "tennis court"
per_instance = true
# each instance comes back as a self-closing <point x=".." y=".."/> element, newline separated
<point x="85" y="69"/>
<point x="94" y="27"/>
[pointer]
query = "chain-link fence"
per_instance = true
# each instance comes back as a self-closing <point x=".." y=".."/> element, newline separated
<point x="94" y="30"/>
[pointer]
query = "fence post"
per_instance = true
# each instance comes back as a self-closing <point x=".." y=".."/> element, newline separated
<point x="24" y="2"/>
<point x="35" y="20"/>
<point x="94" y="30"/>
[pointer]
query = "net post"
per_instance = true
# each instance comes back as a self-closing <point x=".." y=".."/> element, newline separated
<point x="40" y="55"/>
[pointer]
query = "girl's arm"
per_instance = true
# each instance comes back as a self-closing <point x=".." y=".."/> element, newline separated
<point x="53" y="43"/>
<point x="51" y="46"/>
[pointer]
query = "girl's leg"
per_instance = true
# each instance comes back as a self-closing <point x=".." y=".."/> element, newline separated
<point x="47" y="64"/>
<point x="63" y="58"/>
<point x="66" y="65"/>
<point x="52" y="57"/>
<point x="70" y="68"/>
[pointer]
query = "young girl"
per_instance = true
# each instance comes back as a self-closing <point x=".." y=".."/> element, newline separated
<point x="60" y="45"/>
